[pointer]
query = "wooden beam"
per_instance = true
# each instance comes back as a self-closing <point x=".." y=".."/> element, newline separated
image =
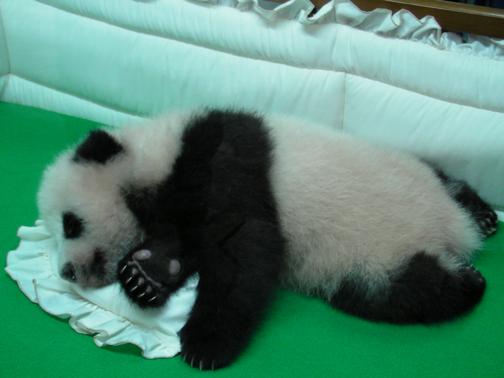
<point x="451" y="16"/>
<point x="455" y="17"/>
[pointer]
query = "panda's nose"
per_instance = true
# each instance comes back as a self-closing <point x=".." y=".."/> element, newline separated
<point x="68" y="272"/>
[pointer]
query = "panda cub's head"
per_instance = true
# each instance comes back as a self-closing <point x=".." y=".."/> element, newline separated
<point x="82" y="197"/>
<point x="81" y="204"/>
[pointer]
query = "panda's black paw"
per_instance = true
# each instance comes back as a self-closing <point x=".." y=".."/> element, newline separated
<point x="487" y="221"/>
<point x="144" y="274"/>
<point x="207" y="344"/>
<point x="205" y="355"/>
<point x="472" y="285"/>
<point x="484" y="216"/>
<point x="472" y="279"/>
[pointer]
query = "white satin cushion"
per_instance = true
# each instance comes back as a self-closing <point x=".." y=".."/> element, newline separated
<point x="104" y="313"/>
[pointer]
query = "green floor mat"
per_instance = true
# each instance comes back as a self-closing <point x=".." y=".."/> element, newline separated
<point x="302" y="337"/>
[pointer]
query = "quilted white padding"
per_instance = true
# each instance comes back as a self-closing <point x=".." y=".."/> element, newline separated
<point x="144" y="74"/>
<point x="467" y="142"/>
<point x="27" y="92"/>
<point x="159" y="27"/>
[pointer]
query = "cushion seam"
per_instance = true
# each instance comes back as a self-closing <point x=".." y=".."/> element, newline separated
<point x="343" y="117"/>
<point x="80" y="97"/>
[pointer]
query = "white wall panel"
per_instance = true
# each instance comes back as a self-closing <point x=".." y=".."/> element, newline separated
<point x="465" y="141"/>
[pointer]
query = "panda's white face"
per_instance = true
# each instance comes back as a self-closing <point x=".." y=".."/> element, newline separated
<point x="83" y="208"/>
<point x="81" y="198"/>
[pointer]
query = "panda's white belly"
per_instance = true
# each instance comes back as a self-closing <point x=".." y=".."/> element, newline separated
<point x="348" y="208"/>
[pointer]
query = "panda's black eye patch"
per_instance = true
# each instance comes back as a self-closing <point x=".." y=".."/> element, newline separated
<point x="72" y="225"/>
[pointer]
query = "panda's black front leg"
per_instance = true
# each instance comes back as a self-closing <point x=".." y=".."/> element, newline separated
<point x="237" y="278"/>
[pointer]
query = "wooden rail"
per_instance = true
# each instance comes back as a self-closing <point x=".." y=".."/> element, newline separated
<point x="456" y="17"/>
<point x="451" y="16"/>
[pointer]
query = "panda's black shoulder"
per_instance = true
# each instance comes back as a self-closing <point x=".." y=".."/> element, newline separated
<point x="241" y="133"/>
<point x="226" y="154"/>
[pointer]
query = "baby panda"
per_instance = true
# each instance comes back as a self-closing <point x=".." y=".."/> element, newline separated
<point x="248" y="202"/>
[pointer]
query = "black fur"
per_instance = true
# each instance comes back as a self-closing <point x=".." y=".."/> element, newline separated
<point x="425" y="292"/>
<point x="483" y="215"/>
<point x="99" y="147"/>
<point x="73" y="226"/>
<point x="216" y="215"/>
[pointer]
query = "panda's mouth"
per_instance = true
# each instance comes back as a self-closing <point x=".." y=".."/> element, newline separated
<point x="94" y="281"/>
<point x="98" y="273"/>
<point x="97" y="267"/>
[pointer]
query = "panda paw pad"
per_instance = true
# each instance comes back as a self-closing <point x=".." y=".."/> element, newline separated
<point x="137" y="282"/>
<point x="487" y="222"/>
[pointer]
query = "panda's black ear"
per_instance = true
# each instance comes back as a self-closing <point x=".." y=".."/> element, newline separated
<point x="99" y="147"/>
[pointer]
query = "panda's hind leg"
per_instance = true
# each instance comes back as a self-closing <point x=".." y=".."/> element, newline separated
<point x="424" y="291"/>
<point x="481" y="212"/>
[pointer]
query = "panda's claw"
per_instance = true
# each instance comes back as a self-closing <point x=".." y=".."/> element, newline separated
<point x="140" y="279"/>
<point x="487" y="221"/>
<point x="123" y="269"/>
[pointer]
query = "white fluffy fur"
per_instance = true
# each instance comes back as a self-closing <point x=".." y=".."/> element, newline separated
<point x="351" y="208"/>
<point x="346" y="207"/>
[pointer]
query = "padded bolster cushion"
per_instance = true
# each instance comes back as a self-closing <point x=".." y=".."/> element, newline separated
<point x="141" y="43"/>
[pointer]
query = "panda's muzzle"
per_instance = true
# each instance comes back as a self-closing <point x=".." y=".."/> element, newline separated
<point x="97" y="267"/>
<point x="91" y="274"/>
<point x="68" y="272"/>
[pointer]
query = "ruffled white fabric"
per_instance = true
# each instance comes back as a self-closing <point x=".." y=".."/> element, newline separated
<point x="104" y="313"/>
<point x="402" y="24"/>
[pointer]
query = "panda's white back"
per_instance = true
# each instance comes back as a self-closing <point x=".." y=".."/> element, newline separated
<point x="349" y="209"/>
